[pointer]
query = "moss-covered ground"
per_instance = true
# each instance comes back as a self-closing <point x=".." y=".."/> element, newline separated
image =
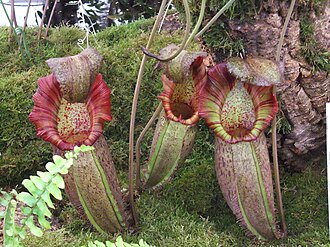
<point x="190" y="210"/>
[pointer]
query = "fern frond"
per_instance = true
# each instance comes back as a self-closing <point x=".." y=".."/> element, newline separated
<point x="119" y="243"/>
<point x="36" y="200"/>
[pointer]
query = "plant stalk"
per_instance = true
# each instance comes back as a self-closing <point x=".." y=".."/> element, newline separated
<point x="183" y="44"/>
<point x="133" y="112"/>
<point x="274" y="139"/>
<point x="223" y="9"/>
<point x="198" y="24"/>
<point x="51" y="17"/>
<point x="43" y="19"/>
<point x="25" y="19"/>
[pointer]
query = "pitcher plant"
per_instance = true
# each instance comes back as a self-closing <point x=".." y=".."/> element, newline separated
<point x="176" y="127"/>
<point x="238" y="104"/>
<point x="71" y="106"/>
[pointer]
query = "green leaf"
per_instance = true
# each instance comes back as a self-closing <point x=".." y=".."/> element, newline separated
<point x="68" y="155"/>
<point x="119" y="242"/>
<point x="109" y="244"/>
<point x="31" y="187"/>
<point x="26" y="210"/>
<point x="26" y="198"/>
<point x="9" y="228"/>
<point x="38" y="182"/>
<point x="52" y="168"/>
<point x="10" y="232"/>
<point x="85" y="148"/>
<point x="2" y="214"/>
<point x="99" y="244"/>
<point x="58" y="181"/>
<point x="45" y="176"/>
<point x="41" y="218"/>
<point x="46" y="197"/>
<point x="6" y="197"/>
<point x="53" y="189"/>
<point x="59" y="161"/>
<point x="42" y="206"/>
<point x="21" y="232"/>
<point x="76" y="150"/>
<point x="34" y="229"/>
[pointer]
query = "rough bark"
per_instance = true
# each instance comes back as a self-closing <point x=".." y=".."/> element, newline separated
<point x="304" y="91"/>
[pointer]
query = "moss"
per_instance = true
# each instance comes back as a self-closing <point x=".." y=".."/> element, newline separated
<point x="217" y="38"/>
<point x="318" y="57"/>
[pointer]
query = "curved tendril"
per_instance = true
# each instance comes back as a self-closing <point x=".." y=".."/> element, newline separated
<point x="223" y="9"/>
<point x="184" y="41"/>
<point x="133" y="112"/>
<point x="198" y="24"/>
<point x="274" y="142"/>
<point x="138" y="145"/>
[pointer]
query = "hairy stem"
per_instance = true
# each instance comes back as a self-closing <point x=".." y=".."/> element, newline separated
<point x="133" y="112"/>
<point x="138" y="145"/>
<point x="184" y="42"/>
<point x="274" y="142"/>
<point x="223" y="9"/>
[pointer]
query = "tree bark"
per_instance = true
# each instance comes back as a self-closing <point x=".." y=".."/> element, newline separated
<point x="304" y="91"/>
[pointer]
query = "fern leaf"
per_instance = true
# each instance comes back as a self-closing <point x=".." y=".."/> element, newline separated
<point x="59" y="162"/>
<point x="30" y="186"/>
<point x="27" y="198"/>
<point x="54" y="190"/>
<point x="26" y="210"/>
<point x="33" y="228"/>
<point x="10" y="234"/>
<point x="46" y="197"/>
<point x="38" y="182"/>
<point x="37" y="200"/>
<point x="52" y="168"/>
<point x="41" y="218"/>
<point x="58" y="181"/>
<point x="45" y="176"/>
<point x="42" y="206"/>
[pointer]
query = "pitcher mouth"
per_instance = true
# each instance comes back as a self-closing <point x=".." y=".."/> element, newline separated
<point x="66" y="124"/>
<point x="180" y="100"/>
<point x="236" y="111"/>
<point x="182" y="110"/>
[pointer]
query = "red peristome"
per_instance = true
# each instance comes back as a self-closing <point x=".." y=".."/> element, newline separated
<point x="180" y="101"/>
<point x="213" y="97"/>
<point x="66" y="124"/>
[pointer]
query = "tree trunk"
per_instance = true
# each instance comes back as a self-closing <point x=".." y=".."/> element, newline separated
<point x="304" y="92"/>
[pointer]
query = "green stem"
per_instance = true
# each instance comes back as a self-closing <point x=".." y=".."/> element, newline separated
<point x="274" y="142"/>
<point x="223" y="9"/>
<point x="13" y="28"/>
<point x="184" y="42"/>
<point x="198" y="24"/>
<point x="133" y="112"/>
<point x="138" y="145"/>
